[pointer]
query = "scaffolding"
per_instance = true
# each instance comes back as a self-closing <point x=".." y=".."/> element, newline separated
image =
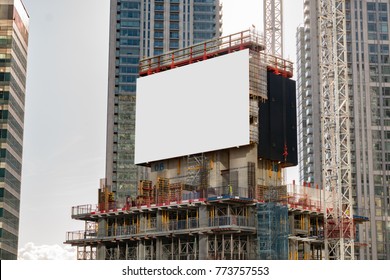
<point x="180" y="248"/>
<point x="198" y="169"/>
<point x="146" y="193"/>
<point x="162" y="190"/>
<point x="271" y="193"/>
<point x="272" y="231"/>
<point x="231" y="247"/>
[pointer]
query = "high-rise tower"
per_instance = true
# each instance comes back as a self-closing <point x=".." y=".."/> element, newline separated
<point x="368" y="45"/>
<point x="139" y="29"/>
<point x="13" y="64"/>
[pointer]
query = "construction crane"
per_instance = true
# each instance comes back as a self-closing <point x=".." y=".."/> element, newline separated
<point x="335" y="125"/>
<point x="273" y="27"/>
<point x="335" y="121"/>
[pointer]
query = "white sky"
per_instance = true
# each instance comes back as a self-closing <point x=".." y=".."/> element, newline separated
<point x="65" y="121"/>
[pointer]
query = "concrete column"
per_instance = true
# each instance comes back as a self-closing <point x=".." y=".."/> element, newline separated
<point x="140" y="250"/>
<point x="203" y="247"/>
<point x="203" y="216"/>
<point x="306" y="250"/>
<point x="293" y="248"/>
<point x="101" y="252"/>
<point x="291" y="221"/>
<point x="159" y="250"/>
<point x="159" y="221"/>
<point x="101" y="248"/>
<point x="203" y="239"/>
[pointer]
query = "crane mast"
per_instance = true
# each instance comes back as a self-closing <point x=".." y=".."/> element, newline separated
<point x="335" y="129"/>
<point x="335" y="120"/>
<point x="273" y="27"/>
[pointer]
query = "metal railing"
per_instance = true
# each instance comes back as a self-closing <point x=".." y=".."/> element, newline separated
<point x="204" y="50"/>
<point x="239" y="221"/>
<point x="191" y="223"/>
<point x="83" y="209"/>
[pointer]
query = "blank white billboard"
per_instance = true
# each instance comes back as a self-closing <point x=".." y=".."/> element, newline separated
<point x="192" y="109"/>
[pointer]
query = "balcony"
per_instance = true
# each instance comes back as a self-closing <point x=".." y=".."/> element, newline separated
<point x="306" y="10"/>
<point x="307" y="66"/>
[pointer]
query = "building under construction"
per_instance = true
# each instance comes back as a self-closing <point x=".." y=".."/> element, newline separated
<point x="226" y="201"/>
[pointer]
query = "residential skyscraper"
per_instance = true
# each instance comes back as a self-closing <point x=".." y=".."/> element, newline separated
<point x="14" y="24"/>
<point x="367" y="33"/>
<point x="139" y="29"/>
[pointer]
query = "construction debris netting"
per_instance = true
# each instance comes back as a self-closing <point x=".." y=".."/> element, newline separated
<point x="272" y="231"/>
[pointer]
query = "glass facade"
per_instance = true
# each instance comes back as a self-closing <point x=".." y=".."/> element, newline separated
<point x="369" y="74"/>
<point x="138" y="29"/>
<point x="13" y="65"/>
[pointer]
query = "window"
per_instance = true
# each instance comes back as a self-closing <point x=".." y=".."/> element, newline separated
<point x="386" y="69"/>
<point x="173" y="45"/>
<point x="159" y="7"/>
<point x="372" y="36"/>
<point x="158" y="43"/>
<point x="373" y="48"/>
<point x="131" y="88"/>
<point x="203" y="8"/>
<point x="174" y="8"/>
<point x="371" y="6"/>
<point x="127" y="23"/>
<point x="5" y="77"/>
<point x="130" y="32"/>
<point x="174" y="25"/>
<point x="159" y="16"/>
<point x="127" y="69"/>
<point x="174" y="35"/>
<point x="158" y="35"/>
<point x="382" y="7"/>
<point x="373" y="58"/>
<point x="371" y="27"/>
<point x="129" y="60"/>
<point x="174" y="17"/>
<point x="383" y="27"/>
<point x="127" y="79"/>
<point x="130" y="5"/>
<point x="159" y="25"/>
<point x="129" y="14"/>
<point x="129" y="42"/>
<point x="384" y="49"/>
<point x="383" y="17"/>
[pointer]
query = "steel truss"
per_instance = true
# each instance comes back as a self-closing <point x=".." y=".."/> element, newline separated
<point x="273" y="27"/>
<point x="335" y="125"/>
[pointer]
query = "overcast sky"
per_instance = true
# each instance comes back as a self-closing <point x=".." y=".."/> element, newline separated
<point x="65" y="121"/>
